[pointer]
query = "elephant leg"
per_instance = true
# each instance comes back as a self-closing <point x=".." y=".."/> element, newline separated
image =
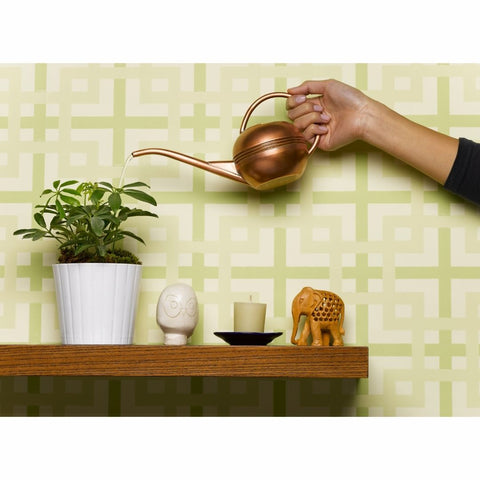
<point x="321" y="336"/>
<point x="316" y="333"/>
<point x="305" y="333"/>
<point x="337" y="338"/>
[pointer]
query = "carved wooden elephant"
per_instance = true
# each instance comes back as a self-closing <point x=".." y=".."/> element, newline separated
<point x="325" y="312"/>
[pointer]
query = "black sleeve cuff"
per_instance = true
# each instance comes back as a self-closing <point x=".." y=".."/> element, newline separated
<point x="464" y="177"/>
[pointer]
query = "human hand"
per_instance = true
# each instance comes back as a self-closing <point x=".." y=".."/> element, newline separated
<point x="337" y="114"/>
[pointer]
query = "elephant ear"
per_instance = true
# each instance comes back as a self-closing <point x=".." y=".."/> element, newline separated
<point x="316" y="298"/>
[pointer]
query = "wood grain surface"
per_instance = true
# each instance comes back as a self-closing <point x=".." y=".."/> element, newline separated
<point x="170" y="361"/>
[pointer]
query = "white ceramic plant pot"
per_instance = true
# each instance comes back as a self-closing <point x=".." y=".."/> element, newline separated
<point x="97" y="302"/>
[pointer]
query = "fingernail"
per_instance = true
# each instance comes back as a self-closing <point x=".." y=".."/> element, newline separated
<point x="325" y="117"/>
<point x="300" y="98"/>
<point x="318" y="108"/>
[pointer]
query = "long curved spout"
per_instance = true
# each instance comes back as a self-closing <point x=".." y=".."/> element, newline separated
<point x="223" y="168"/>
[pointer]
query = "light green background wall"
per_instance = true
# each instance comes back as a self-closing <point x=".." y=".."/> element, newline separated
<point x="402" y="253"/>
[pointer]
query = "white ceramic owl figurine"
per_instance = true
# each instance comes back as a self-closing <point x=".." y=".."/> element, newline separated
<point x="177" y="313"/>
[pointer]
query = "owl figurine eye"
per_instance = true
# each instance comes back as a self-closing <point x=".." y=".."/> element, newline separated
<point x="191" y="307"/>
<point x="172" y="306"/>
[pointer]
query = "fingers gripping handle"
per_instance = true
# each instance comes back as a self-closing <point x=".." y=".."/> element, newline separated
<point x="260" y="100"/>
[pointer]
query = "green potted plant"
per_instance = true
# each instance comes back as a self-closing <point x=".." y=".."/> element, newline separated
<point x="96" y="281"/>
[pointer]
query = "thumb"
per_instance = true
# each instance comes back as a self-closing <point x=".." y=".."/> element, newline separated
<point x="309" y="87"/>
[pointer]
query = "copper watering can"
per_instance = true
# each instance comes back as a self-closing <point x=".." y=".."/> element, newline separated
<point x="265" y="156"/>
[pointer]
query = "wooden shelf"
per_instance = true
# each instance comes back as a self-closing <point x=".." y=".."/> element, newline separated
<point x="169" y="361"/>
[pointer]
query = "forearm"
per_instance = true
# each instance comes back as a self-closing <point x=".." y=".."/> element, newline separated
<point x="426" y="150"/>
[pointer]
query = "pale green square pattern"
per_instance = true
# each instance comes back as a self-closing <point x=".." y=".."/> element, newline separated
<point x="401" y="252"/>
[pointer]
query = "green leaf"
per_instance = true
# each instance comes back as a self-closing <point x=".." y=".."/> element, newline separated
<point x="38" y="235"/>
<point x="77" y="218"/>
<point x="56" y="221"/>
<point x="29" y="235"/>
<point x="62" y="232"/>
<point x="70" y="200"/>
<point x="136" y="184"/>
<point x="97" y="195"/>
<point x="33" y="233"/>
<point x="113" y="220"/>
<point x="115" y="201"/>
<point x="108" y="185"/>
<point x="71" y="191"/>
<point x="142" y="196"/>
<point x="81" y="248"/>
<point x="140" y="213"/>
<point x="97" y="225"/>
<point x="130" y="234"/>
<point x="60" y="209"/>
<point x="69" y="242"/>
<point x="24" y="231"/>
<point x="67" y="183"/>
<point x="38" y="217"/>
<point x="56" y="183"/>
<point x="47" y="209"/>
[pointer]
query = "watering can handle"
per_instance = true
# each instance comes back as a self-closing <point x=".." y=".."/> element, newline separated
<point x="258" y="101"/>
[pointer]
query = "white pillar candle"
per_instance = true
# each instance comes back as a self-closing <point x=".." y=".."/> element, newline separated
<point x="249" y="316"/>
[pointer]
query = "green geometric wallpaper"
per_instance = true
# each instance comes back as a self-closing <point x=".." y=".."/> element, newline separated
<point x="403" y="253"/>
